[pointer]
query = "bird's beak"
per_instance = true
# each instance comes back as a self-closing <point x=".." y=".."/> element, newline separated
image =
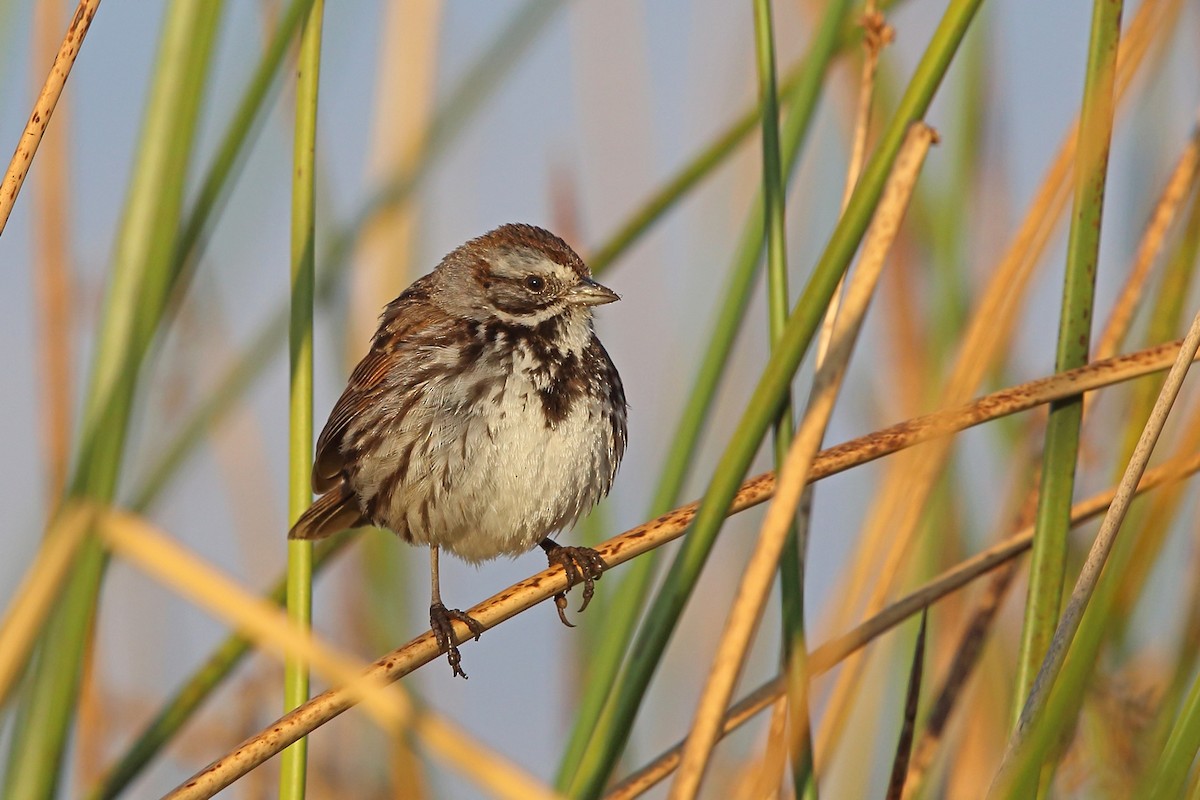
<point x="589" y="293"/>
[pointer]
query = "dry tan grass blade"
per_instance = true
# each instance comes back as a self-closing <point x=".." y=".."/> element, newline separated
<point x="877" y="34"/>
<point x="134" y="540"/>
<point x="657" y="532"/>
<point x="457" y="748"/>
<point x="760" y="572"/>
<point x="52" y="269"/>
<point x="35" y="128"/>
<point x="1179" y="186"/>
<point x="35" y="596"/>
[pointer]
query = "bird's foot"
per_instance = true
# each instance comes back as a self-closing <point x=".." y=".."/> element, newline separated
<point x="441" y="623"/>
<point x="582" y="565"/>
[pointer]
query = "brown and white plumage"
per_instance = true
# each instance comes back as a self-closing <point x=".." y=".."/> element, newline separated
<point x="486" y="415"/>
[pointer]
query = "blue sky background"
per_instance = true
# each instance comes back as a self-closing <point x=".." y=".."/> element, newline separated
<point x="613" y="98"/>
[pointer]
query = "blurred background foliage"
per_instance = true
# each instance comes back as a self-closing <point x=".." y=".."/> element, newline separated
<point x="145" y="313"/>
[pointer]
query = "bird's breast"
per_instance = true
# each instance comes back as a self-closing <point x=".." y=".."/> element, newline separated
<point x="499" y="456"/>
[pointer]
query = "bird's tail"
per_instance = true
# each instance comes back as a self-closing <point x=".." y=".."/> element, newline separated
<point x="330" y="513"/>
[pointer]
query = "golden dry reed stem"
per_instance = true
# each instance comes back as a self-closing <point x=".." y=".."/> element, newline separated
<point x="1179" y="186"/>
<point x="52" y="272"/>
<point x="540" y="587"/>
<point x="37" y="593"/>
<point x="1089" y="575"/>
<point x="760" y="572"/>
<point x="833" y="652"/>
<point x="457" y="749"/>
<point x="767" y="774"/>
<point x="877" y="34"/>
<point x="133" y="539"/>
<point x="31" y="137"/>
<point x="894" y="518"/>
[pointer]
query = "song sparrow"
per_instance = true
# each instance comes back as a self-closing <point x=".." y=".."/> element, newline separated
<point x="486" y="416"/>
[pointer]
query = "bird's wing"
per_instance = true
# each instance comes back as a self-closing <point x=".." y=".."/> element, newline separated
<point x="407" y="321"/>
<point x="363" y="384"/>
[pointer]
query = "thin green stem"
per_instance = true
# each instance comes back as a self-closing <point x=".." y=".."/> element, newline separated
<point x="293" y="766"/>
<point x="1048" y="561"/>
<point x="772" y="174"/>
<point x="615" y="724"/>
<point x="791" y="576"/>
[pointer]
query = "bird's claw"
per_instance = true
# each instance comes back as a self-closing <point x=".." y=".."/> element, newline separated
<point x="581" y="565"/>
<point x="441" y="623"/>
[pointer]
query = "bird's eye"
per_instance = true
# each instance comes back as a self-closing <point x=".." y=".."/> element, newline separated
<point x="534" y="284"/>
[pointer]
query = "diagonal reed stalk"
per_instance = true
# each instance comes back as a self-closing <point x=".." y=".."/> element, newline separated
<point x="43" y="109"/>
<point x="140" y="544"/>
<point x="35" y="596"/>
<point x="188" y="698"/>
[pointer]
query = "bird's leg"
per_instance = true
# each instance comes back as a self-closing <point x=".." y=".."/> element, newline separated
<point x="441" y="619"/>
<point x="582" y="564"/>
